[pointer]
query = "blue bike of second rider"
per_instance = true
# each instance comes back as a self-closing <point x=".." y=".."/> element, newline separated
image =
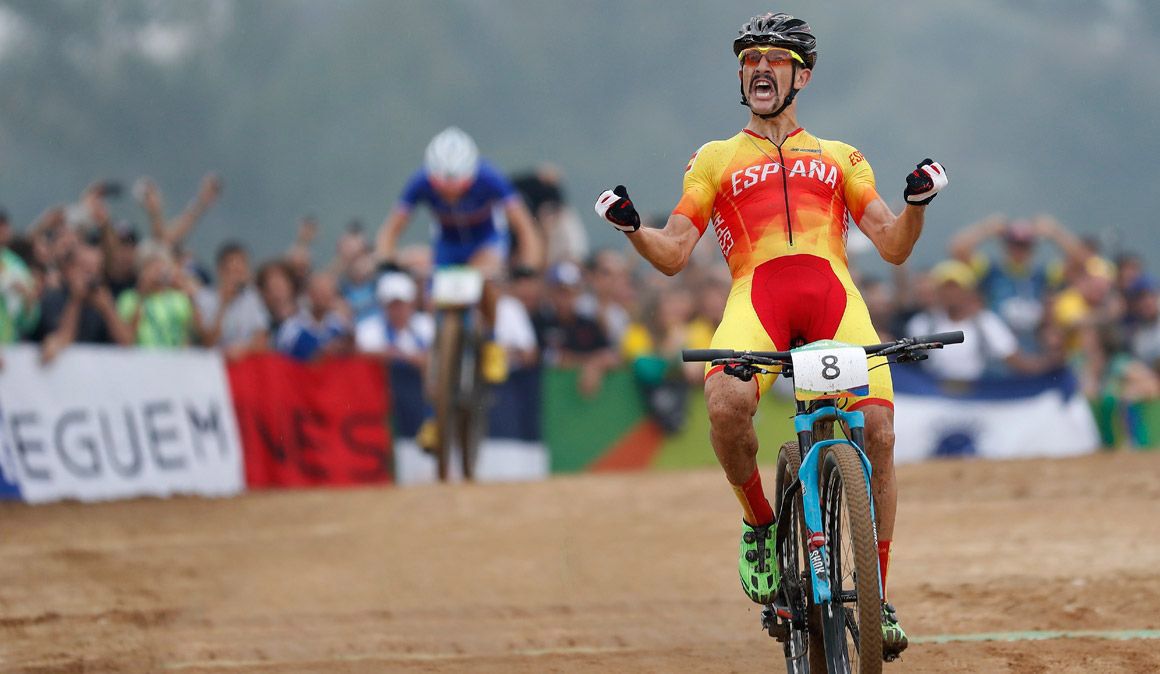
<point x="476" y="209"/>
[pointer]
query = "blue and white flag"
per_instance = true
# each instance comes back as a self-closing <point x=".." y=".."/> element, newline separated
<point x="1008" y="418"/>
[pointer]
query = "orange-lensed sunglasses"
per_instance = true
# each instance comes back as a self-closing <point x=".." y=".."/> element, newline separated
<point x="774" y="56"/>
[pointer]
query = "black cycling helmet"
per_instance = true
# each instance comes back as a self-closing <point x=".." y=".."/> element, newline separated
<point x="779" y="29"/>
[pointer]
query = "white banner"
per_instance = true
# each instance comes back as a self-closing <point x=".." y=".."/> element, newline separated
<point x="107" y="422"/>
<point x="1037" y="418"/>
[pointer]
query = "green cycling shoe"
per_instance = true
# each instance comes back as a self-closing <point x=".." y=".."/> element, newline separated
<point x="893" y="636"/>
<point x="756" y="563"/>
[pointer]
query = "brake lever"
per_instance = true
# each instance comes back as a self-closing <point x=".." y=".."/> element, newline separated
<point x="743" y="371"/>
<point x="891" y="350"/>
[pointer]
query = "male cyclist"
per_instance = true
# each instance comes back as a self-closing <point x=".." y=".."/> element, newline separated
<point x="473" y="204"/>
<point x="778" y="198"/>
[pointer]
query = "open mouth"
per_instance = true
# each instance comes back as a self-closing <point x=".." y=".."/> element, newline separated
<point x="762" y="89"/>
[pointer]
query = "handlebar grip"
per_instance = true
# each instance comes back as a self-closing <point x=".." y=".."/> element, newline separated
<point x="704" y="355"/>
<point x="955" y="337"/>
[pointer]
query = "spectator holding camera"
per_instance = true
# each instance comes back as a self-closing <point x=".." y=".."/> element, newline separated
<point x="159" y="310"/>
<point x="82" y="309"/>
<point x="233" y="316"/>
<point x="120" y="244"/>
<point x="118" y="240"/>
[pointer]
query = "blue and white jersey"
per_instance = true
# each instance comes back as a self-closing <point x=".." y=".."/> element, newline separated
<point x="375" y="334"/>
<point x="475" y="218"/>
<point x="301" y="337"/>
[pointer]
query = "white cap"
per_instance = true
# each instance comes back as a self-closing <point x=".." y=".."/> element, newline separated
<point x="395" y="286"/>
<point x="452" y="155"/>
<point x="565" y="274"/>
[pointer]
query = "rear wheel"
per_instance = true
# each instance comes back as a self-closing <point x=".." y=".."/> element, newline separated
<point x="852" y="622"/>
<point x="445" y="389"/>
<point x="795" y="588"/>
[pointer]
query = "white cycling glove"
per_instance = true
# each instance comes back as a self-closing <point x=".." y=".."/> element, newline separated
<point x="924" y="182"/>
<point x="615" y="206"/>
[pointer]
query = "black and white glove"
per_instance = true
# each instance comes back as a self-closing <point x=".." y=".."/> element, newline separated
<point x="924" y="182"/>
<point x="615" y="206"/>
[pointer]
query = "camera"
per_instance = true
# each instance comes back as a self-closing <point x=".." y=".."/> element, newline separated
<point x="110" y="189"/>
<point x="92" y="237"/>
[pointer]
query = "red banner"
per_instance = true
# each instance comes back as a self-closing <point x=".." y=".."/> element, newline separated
<point x="322" y="423"/>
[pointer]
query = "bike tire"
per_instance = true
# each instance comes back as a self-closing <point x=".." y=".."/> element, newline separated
<point x="849" y="528"/>
<point x="793" y="554"/>
<point x="822" y="430"/>
<point x="472" y="426"/>
<point x="445" y="394"/>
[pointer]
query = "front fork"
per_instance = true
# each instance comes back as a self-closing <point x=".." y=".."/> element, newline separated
<point x="810" y="474"/>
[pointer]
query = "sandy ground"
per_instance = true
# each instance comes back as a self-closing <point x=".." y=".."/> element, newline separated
<point x="632" y="572"/>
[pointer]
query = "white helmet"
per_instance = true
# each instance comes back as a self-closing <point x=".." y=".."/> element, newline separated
<point x="452" y="155"/>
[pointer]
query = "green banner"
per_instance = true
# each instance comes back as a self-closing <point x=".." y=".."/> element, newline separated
<point x="580" y="429"/>
<point x="690" y="447"/>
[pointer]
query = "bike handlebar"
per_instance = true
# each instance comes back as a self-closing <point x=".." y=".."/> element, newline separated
<point x="906" y="343"/>
<point x="955" y="337"/>
<point x="701" y="355"/>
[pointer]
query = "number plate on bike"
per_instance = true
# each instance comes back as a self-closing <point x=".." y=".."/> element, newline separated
<point x="456" y="286"/>
<point x="829" y="369"/>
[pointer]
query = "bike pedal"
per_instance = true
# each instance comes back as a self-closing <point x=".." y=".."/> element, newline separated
<point x="778" y="629"/>
<point x="767" y="618"/>
<point x="776" y="620"/>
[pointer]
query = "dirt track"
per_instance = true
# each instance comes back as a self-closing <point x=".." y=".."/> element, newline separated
<point x="595" y="573"/>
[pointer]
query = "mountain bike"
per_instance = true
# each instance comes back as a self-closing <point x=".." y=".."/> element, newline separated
<point x="455" y="381"/>
<point x="827" y="611"/>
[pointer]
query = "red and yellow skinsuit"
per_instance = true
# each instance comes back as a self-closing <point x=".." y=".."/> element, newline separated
<point x="780" y="215"/>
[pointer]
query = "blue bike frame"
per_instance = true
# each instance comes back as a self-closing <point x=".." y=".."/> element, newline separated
<point x="808" y="474"/>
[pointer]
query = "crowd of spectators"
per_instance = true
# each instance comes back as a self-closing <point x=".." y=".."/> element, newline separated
<point x="77" y="275"/>
<point x="1034" y="298"/>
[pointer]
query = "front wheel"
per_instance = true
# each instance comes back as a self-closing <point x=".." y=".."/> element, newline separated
<point x="852" y="621"/>
<point x="472" y="422"/>
<point x="792" y="558"/>
<point x="444" y="392"/>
